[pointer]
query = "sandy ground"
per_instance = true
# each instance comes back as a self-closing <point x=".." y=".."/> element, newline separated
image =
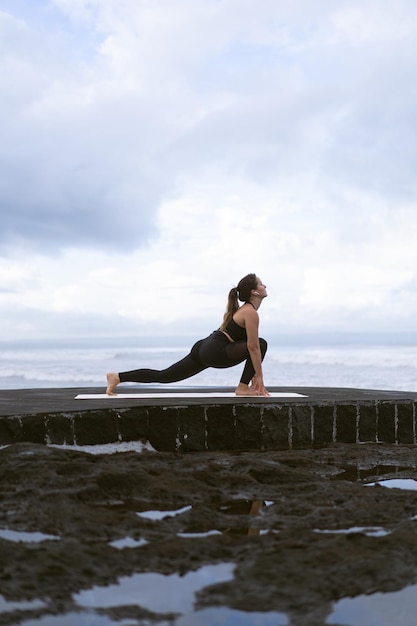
<point x="259" y="512"/>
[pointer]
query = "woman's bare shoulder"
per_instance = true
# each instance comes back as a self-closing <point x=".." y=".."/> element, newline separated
<point x="246" y="313"/>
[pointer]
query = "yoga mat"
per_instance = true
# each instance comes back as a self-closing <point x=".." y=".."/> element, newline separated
<point x="180" y="394"/>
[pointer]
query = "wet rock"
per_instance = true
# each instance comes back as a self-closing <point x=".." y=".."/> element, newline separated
<point x="274" y="515"/>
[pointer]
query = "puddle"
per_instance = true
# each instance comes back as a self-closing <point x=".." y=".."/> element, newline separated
<point x="156" y="592"/>
<point x="175" y="594"/>
<point x="251" y="508"/>
<point x="158" y="515"/>
<point x="22" y="537"/>
<point x="216" y="616"/>
<point x="78" y="619"/>
<point x="9" y="607"/>
<point x="238" y="507"/>
<point x="108" y="448"/>
<point x="379" y="609"/>
<point x="128" y="542"/>
<point x="244" y="507"/>
<point x="198" y="535"/>
<point x="228" y="617"/>
<point x="354" y="474"/>
<point x="369" y="531"/>
<point x="396" y="483"/>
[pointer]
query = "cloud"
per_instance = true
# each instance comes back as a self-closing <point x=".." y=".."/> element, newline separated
<point x="76" y="159"/>
<point x="158" y="151"/>
<point x="166" y="92"/>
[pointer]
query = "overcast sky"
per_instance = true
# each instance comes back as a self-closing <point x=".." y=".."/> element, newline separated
<point x="155" y="151"/>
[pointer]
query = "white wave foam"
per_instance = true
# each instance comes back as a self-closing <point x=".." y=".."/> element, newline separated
<point x="56" y="365"/>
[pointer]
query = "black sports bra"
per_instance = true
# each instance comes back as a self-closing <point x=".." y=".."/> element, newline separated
<point x="236" y="332"/>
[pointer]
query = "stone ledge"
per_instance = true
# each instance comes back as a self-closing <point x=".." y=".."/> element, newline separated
<point x="240" y="424"/>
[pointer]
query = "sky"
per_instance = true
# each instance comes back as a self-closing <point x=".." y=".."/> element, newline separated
<point x="153" y="152"/>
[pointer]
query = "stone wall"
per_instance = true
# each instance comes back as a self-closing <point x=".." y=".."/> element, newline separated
<point x="275" y="426"/>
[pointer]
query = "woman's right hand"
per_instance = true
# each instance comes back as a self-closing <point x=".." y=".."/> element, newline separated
<point x="259" y="387"/>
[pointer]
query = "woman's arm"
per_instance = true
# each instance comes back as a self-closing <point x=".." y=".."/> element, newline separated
<point x="251" y="319"/>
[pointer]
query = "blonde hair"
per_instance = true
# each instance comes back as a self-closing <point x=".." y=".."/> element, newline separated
<point x="243" y="293"/>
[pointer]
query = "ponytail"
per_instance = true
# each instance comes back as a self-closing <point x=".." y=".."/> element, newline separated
<point x="232" y="307"/>
<point x="243" y="293"/>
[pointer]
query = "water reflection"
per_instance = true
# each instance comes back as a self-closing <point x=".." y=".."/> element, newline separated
<point x="156" y="592"/>
<point x="23" y="537"/>
<point x="368" y="531"/>
<point x="398" y="608"/>
<point x="208" y="533"/>
<point x="396" y="483"/>
<point x="79" y="619"/>
<point x="206" y="617"/>
<point x="9" y="607"/>
<point x="158" y="514"/>
<point x="355" y="473"/>
<point x="237" y="507"/>
<point x="176" y="594"/>
<point x="229" y="617"/>
<point x="243" y="507"/>
<point x="128" y="542"/>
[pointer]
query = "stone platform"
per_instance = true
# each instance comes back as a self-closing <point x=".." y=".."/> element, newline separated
<point x="323" y="416"/>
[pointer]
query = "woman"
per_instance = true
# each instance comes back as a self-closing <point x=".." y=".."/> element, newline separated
<point x="236" y="341"/>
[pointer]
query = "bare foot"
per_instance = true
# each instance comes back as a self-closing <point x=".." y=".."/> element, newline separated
<point x="112" y="381"/>
<point x="245" y="390"/>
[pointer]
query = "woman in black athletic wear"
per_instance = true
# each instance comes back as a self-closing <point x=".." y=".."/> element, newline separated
<point x="237" y="340"/>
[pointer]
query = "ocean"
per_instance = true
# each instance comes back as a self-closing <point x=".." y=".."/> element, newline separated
<point x="84" y="363"/>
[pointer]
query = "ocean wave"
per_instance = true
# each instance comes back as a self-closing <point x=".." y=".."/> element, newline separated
<point x="369" y="357"/>
<point x="392" y="367"/>
<point x="50" y="376"/>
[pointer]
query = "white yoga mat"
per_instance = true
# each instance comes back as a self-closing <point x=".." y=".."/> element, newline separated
<point x="180" y="394"/>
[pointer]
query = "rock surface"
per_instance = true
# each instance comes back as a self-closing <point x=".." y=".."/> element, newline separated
<point x="260" y="512"/>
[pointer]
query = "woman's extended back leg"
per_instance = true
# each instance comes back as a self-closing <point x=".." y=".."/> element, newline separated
<point x="185" y="368"/>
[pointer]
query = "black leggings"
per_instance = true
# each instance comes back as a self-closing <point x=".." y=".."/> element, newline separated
<point x="213" y="351"/>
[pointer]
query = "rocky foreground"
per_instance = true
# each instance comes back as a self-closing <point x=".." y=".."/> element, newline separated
<point x="259" y="512"/>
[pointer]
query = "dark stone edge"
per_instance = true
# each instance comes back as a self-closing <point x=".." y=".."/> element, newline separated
<point x="217" y="427"/>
